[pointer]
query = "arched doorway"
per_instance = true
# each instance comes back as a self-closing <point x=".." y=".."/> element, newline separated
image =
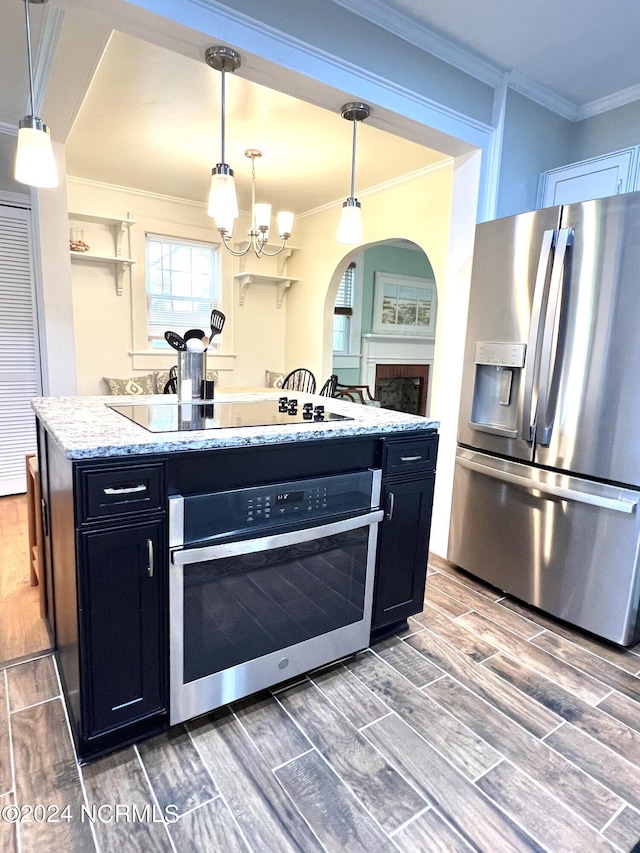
<point x="385" y="311"/>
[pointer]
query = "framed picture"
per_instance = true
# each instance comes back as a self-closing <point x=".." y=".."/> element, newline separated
<point x="404" y="305"/>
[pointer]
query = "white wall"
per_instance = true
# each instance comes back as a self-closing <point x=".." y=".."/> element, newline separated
<point x="450" y="337"/>
<point x="52" y="269"/>
<point x="110" y="329"/>
<point x="437" y="212"/>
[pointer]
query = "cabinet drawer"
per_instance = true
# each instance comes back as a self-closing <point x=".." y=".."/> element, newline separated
<point x="407" y="457"/>
<point x="120" y="490"/>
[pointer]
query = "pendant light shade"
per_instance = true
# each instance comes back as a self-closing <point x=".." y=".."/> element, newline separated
<point x="350" y="227"/>
<point x="35" y="164"/>
<point x="223" y="201"/>
<point x="285" y="224"/>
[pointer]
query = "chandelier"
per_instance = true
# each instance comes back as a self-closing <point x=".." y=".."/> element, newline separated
<point x="34" y="164"/>
<point x="223" y="201"/>
<point x="350" y="227"/>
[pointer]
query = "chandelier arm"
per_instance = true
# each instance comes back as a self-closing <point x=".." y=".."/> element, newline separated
<point x="226" y="238"/>
<point x="273" y="254"/>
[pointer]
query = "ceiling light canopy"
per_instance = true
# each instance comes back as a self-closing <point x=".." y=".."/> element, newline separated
<point x="35" y="164"/>
<point x="223" y="201"/>
<point x="350" y="227"/>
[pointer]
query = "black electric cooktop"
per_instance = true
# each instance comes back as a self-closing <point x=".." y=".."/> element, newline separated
<point x="177" y="417"/>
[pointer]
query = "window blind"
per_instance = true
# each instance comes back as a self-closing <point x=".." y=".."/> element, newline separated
<point x="344" y="296"/>
<point x="182" y="284"/>
<point x="19" y="355"/>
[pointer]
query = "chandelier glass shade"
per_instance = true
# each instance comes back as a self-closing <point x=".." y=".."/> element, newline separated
<point x="223" y="200"/>
<point x="350" y="227"/>
<point x="35" y="164"/>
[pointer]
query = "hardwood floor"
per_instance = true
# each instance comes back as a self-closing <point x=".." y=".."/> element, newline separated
<point x="22" y="630"/>
<point x="486" y="726"/>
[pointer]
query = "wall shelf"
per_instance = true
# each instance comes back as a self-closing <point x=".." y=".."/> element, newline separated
<point x="281" y="258"/>
<point x="119" y="264"/>
<point x="119" y="227"/>
<point x="282" y="284"/>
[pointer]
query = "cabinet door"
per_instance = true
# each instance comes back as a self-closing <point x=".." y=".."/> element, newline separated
<point x="403" y="548"/>
<point x="595" y="178"/>
<point x="122" y="618"/>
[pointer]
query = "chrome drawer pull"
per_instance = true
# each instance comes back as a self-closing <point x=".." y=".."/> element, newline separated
<point x="392" y="500"/>
<point x="125" y="490"/>
<point x="150" y="557"/>
<point x="410" y="458"/>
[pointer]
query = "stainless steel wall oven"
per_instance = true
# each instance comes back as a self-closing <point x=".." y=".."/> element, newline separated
<point x="266" y="583"/>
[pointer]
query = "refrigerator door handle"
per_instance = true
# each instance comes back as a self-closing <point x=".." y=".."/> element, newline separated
<point x="551" y="338"/>
<point x="616" y="504"/>
<point x="535" y="331"/>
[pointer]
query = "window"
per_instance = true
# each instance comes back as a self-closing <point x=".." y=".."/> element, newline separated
<point x="343" y="311"/>
<point x="182" y="285"/>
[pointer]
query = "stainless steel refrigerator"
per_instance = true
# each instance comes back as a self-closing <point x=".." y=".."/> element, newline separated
<point x="547" y="474"/>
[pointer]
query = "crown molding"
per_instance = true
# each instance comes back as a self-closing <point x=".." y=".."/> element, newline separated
<point x="610" y="102"/>
<point x="8" y="128"/>
<point x="441" y="165"/>
<point x="45" y="54"/>
<point x="102" y="185"/>
<point x="419" y="35"/>
<point x="543" y="96"/>
<point x="402" y="25"/>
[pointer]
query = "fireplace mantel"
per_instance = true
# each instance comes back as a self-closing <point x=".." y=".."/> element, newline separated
<point x="393" y="349"/>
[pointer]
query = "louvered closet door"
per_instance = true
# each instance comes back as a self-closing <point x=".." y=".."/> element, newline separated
<point x="19" y="362"/>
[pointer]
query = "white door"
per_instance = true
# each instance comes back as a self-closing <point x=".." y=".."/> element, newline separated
<point x="19" y="354"/>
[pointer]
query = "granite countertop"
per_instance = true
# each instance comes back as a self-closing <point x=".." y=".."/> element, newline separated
<point x="86" y="428"/>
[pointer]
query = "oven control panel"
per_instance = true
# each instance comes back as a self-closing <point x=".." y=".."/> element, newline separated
<point x="202" y="518"/>
<point x="286" y="502"/>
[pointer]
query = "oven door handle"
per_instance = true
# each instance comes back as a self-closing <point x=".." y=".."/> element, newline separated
<point x="183" y="557"/>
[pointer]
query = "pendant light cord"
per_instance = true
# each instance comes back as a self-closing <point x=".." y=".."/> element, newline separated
<point x="26" y="10"/>
<point x="222" y="121"/>
<point x="353" y="161"/>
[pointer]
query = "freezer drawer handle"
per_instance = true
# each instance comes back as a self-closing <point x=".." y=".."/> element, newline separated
<point x="410" y="458"/>
<point x="616" y="504"/>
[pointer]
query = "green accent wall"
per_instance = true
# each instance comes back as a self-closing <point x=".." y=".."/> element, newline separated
<point x="384" y="258"/>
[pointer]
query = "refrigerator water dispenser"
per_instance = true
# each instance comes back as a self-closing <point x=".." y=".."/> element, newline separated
<point x="498" y="367"/>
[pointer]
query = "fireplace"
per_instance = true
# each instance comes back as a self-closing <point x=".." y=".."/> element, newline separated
<point x="401" y="357"/>
<point x="403" y="387"/>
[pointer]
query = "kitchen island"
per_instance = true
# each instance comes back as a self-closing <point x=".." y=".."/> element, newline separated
<point x="121" y="501"/>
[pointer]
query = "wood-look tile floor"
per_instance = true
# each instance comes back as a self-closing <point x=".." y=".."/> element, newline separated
<point x="23" y="632"/>
<point x="486" y="726"/>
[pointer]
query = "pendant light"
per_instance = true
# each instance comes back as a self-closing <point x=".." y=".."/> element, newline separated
<point x="223" y="202"/>
<point x="35" y="164"/>
<point x="350" y="228"/>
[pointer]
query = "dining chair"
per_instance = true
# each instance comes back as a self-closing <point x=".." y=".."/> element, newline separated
<point x="357" y="394"/>
<point x="171" y="386"/>
<point x="329" y="387"/>
<point x="300" y="379"/>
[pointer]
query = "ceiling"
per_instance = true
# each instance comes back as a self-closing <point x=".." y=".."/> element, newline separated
<point x="573" y="54"/>
<point x="151" y="120"/>
<point x="151" y="117"/>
